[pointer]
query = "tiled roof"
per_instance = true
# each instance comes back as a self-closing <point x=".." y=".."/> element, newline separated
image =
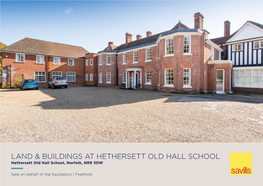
<point x="35" y="46"/>
<point x="111" y="47"/>
<point x="257" y="24"/>
<point x="180" y="26"/>
<point x="222" y="40"/>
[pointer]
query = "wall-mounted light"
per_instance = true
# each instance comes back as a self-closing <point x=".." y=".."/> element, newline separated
<point x="6" y="56"/>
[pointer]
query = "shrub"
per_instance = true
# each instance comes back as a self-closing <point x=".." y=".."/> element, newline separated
<point x="138" y="86"/>
<point x="123" y="85"/>
<point x="17" y="81"/>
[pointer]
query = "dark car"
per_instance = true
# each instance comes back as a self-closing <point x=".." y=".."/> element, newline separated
<point x="29" y="84"/>
<point x="58" y="82"/>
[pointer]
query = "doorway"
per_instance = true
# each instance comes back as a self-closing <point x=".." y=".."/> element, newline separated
<point x="220" y="79"/>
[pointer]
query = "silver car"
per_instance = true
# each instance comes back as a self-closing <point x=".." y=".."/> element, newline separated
<point x="58" y="82"/>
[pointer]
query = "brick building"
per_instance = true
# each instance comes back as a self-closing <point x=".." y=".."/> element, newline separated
<point x="179" y="60"/>
<point x="43" y="60"/>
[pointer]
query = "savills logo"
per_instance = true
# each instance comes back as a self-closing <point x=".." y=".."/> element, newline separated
<point x="240" y="163"/>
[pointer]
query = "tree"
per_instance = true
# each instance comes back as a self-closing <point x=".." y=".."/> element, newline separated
<point x="2" y="45"/>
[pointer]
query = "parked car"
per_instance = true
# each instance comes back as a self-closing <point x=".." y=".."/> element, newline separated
<point x="29" y="84"/>
<point x="58" y="82"/>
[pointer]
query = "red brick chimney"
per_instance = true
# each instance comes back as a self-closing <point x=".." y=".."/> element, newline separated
<point x="138" y="36"/>
<point x="149" y="33"/>
<point x="128" y="37"/>
<point x="226" y="28"/>
<point x="199" y="20"/>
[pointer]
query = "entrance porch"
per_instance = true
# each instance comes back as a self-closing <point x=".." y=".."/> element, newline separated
<point x="133" y="77"/>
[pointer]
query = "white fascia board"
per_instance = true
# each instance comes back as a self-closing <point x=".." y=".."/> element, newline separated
<point x="212" y="44"/>
<point x="199" y="33"/>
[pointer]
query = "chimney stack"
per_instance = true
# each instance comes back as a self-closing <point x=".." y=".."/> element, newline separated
<point x="110" y="43"/>
<point x="199" y="20"/>
<point x="226" y="28"/>
<point x="128" y="37"/>
<point x="149" y="33"/>
<point x="138" y="36"/>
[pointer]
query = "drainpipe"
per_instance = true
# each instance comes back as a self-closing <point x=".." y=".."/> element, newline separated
<point x="10" y="75"/>
<point x="117" y="70"/>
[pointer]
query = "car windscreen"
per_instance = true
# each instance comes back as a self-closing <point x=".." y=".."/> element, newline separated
<point x="30" y="81"/>
<point x="61" y="78"/>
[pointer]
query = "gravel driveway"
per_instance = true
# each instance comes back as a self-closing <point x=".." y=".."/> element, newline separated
<point x="95" y="114"/>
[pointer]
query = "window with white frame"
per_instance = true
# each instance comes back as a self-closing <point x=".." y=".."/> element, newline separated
<point x="148" y="77"/>
<point x="91" y="77"/>
<point x="56" y="61"/>
<point x="108" y="59"/>
<point x="100" y="77"/>
<point x="124" y="61"/>
<point x="91" y="62"/>
<point x="187" y="77"/>
<point x="148" y="54"/>
<point x="39" y="59"/>
<point x="87" y="77"/>
<point x="124" y="77"/>
<point x="87" y="62"/>
<point x="40" y="76"/>
<point x="169" y="46"/>
<point x="248" y="78"/>
<point x="212" y="53"/>
<point x="108" y="77"/>
<point x="258" y="44"/>
<point x="70" y="62"/>
<point x="135" y="57"/>
<point x="20" y="58"/>
<point x="187" y="45"/>
<point x="237" y="47"/>
<point x="169" y="77"/>
<point x="71" y="76"/>
<point x="100" y="60"/>
<point x="56" y="74"/>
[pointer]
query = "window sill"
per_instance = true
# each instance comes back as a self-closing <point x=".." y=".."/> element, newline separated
<point x="71" y="65"/>
<point x="100" y="65"/>
<point x="169" y="55"/>
<point x="187" y="54"/>
<point x="134" y="62"/>
<point x="19" y="62"/>
<point x="108" y="64"/>
<point x="148" y="61"/>
<point x="171" y="86"/>
<point x="187" y="86"/>
<point x="124" y="63"/>
<point x="100" y="82"/>
<point x="147" y="84"/>
<point x="39" y="63"/>
<point x="108" y="82"/>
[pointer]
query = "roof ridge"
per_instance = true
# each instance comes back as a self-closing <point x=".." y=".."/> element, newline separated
<point x="52" y="42"/>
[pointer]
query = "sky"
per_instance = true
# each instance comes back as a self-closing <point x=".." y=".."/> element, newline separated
<point x="92" y="24"/>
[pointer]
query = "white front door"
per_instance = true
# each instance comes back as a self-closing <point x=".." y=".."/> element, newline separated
<point x="220" y="79"/>
<point x="132" y="79"/>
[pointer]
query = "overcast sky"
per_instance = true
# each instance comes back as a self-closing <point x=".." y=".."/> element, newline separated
<point x="92" y="24"/>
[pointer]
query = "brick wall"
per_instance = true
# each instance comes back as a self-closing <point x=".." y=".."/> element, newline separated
<point x="91" y="69"/>
<point x="104" y="68"/>
<point x="20" y="69"/>
<point x="28" y="68"/>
